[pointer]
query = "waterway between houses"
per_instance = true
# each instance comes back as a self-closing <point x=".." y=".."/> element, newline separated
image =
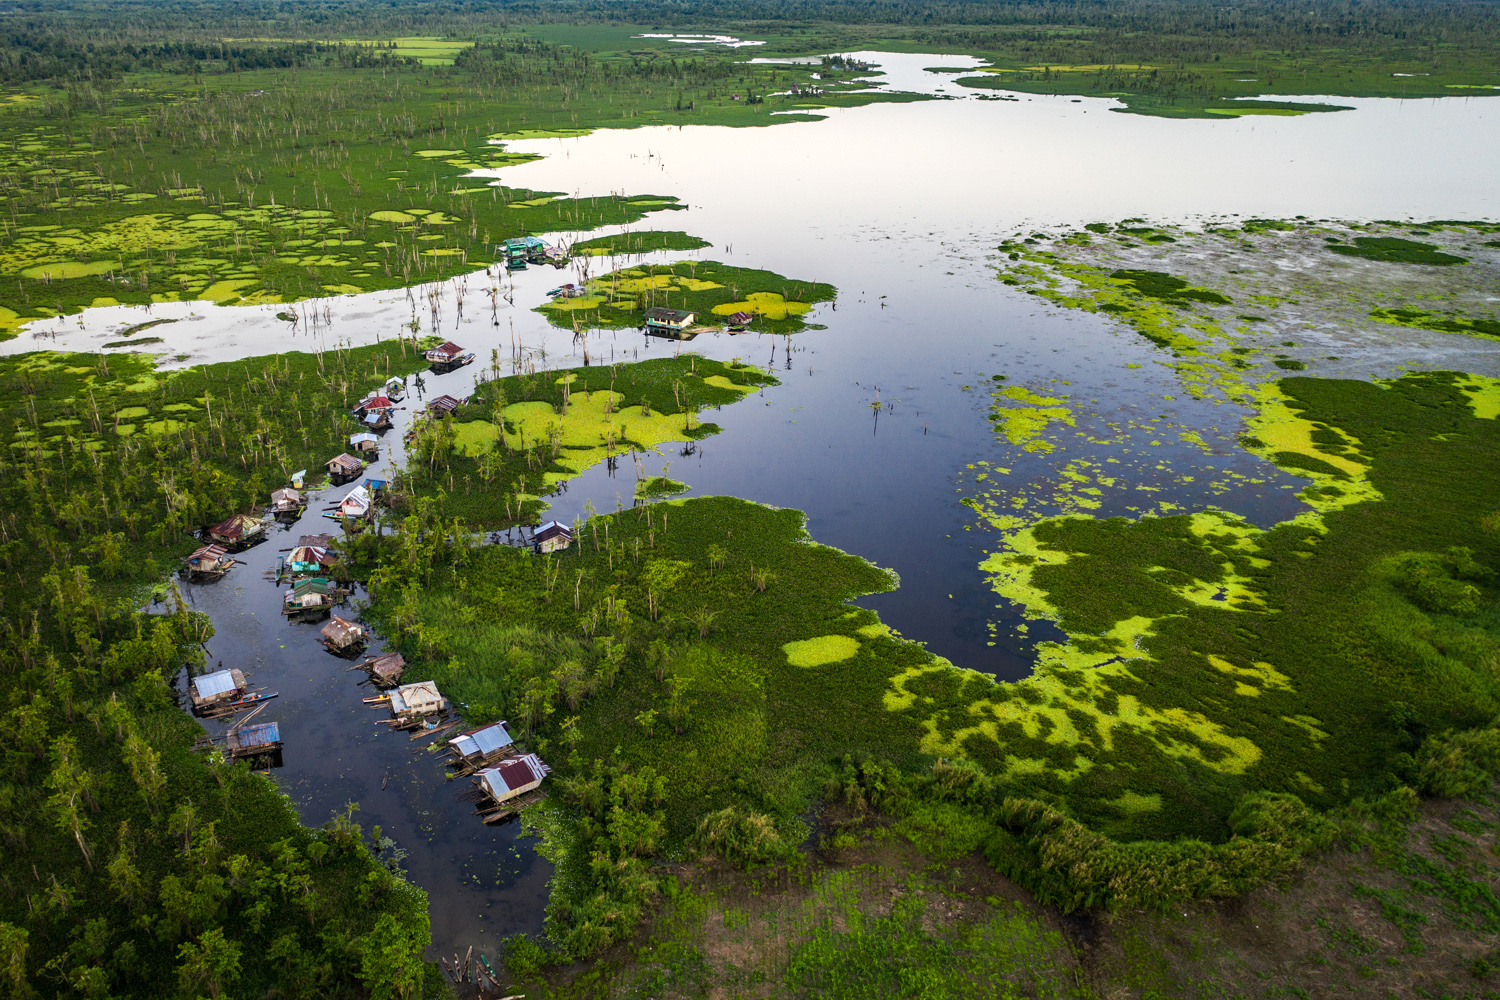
<point x="900" y="206"/>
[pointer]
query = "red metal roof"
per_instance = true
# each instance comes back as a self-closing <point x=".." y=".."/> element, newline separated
<point x="517" y="774"/>
<point x="445" y="403"/>
<point x="451" y="348"/>
<point x="377" y="403"/>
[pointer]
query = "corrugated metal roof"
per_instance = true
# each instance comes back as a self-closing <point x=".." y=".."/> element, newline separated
<point x="359" y="438"/>
<point x="489" y="739"/>
<point x="388" y="666"/>
<point x="516" y="773"/>
<point x="339" y="628"/>
<point x="217" y="683"/>
<point x="209" y="553"/>
<point x="260" y="735"/>
<point x="346" y="461"/>
<point x="317" y="585"/>
<point x="663" y="315"/>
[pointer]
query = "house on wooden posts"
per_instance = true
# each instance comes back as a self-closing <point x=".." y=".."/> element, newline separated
<point x="376" y="487"/>
<point x="443" y="405"/>
<point x="344" y="468"/>
<point x="209" y="563"/>
<point x="310" y="599"/>
<point x="552" y="536"/>
<point x="556" y="256"/>
<point x="663" y="322"/>
<point x="238" y="532"/>
<point x="375" y="411"/>
<point x="216" y="689"/>
<point x="505" y="789"/>
<point x="365" y="443"/>
<point x="287" y="504"/>
<point x="415" y="701"/>
<point x="479" y="748"/>
<point x="260" y="740"/>
<point x="359" y="505"/>
<point x="738" y="321"/>
<point x="447" y="357"/>
<point x="385" y="670"/>
<point x="319" y="541"/>
<point x="344" y="637"/>
<point x="395" y="388"/>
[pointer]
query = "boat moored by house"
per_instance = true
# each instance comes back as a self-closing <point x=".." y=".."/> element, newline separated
<point x="217" y="689"/>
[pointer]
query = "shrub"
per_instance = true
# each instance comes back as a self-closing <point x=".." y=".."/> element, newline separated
<point x="745" y="839"/>
<point x="1459" y="765"/>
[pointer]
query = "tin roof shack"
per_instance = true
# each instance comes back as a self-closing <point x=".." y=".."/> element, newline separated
<point x="287" y="504"/>
<point x="209" y="563"/>
<point x="261" y="741"/>
<point x="239" y="532"/>
<point x="481" y="748"/>
<point x="385" y="671"/>
<point x="343" y="468"/>
<point x="556" y="256"/>
<point x="413" y="704"/>
<point x="365" y="443"/>
<point x="216" y="690"/>
<point x="343" y="637"/>
<point x="443" y="405"/>
<point x="663" y="322"/>
<point x="552" y="536"/>
<point x="448" y="357"/>
<point x="310" y="600"/>
<point x="375" y="411"/>
<point x="310" y="560"/>
<point x="738" y="321"/>
<point x="507" y="789"/>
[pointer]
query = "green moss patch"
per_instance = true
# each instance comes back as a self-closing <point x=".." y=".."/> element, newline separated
<point x="1396" y="250"/>
<point x="643" y="242"/>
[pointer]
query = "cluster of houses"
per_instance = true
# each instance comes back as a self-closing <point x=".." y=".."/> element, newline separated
<point x="505" y="779"/>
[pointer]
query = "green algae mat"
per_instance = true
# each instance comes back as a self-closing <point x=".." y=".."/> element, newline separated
<point x="709" y="289"/>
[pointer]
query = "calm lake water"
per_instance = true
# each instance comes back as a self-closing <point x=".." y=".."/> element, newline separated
<point x="900" y="207"/>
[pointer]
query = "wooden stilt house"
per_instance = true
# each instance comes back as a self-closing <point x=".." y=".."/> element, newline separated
<point x="210" y="691"/>
<point x="287" y="504"/>
<point x="447" y="357"/>
<point x="510" y="787"/>
<point x="385" y="670"/>
<point x="343" y="468"/>
<point x="663" y="322"/>
<point x="344" y="637"/>
<point x="481" y="748"/>
<point x="310" y="599"/>
<point x="208" y="563"/>
<point x="238" y="532"/>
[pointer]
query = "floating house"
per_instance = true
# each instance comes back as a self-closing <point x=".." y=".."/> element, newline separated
<point x="344" y="637"/>
<point x="443" y="405"/>
<point x="556" y="256"/>
<point x="663" y="322"/>
<point x="504" y="789"/>
<point x="447" y="357"/>
<point x="310" y="560"/>
<point x="209" y="563"/>
<point x="385" y="670"/>
<point x="552" y="536"/>
<point x="344" y="468"/>
<point x="740" y="320"/>
<point x="260" y="740"/>
<point x="239" y="532"/>
<point x="516" y="254"/>
<point x="395" y="388"/>
<point x="359" y="505"/>
<point x="365" y="443"/>
<point x="217" y="689"/>
<point x="482" y="747"/>
<point x="287" y="504"/>
<point x="568" y="291"/>
<point x="319" y="541"/>
<point x="375" y="411"/>
<point x="310" y="599"/>
<point x="410" y="702"/>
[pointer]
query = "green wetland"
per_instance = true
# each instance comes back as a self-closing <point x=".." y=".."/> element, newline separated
<point x="1068" y="573"/>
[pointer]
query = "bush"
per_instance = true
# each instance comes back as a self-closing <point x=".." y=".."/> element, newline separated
<point x="1459" y="765"/>
<point x="745" y="839"/>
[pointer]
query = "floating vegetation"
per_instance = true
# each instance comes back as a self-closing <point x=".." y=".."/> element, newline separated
<point x="1393" y="248"/>
<point x="648" y="241"/>
<point x="708" y="289"/>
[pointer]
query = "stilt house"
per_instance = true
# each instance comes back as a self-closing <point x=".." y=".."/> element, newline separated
<point x="217" y="688"/>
